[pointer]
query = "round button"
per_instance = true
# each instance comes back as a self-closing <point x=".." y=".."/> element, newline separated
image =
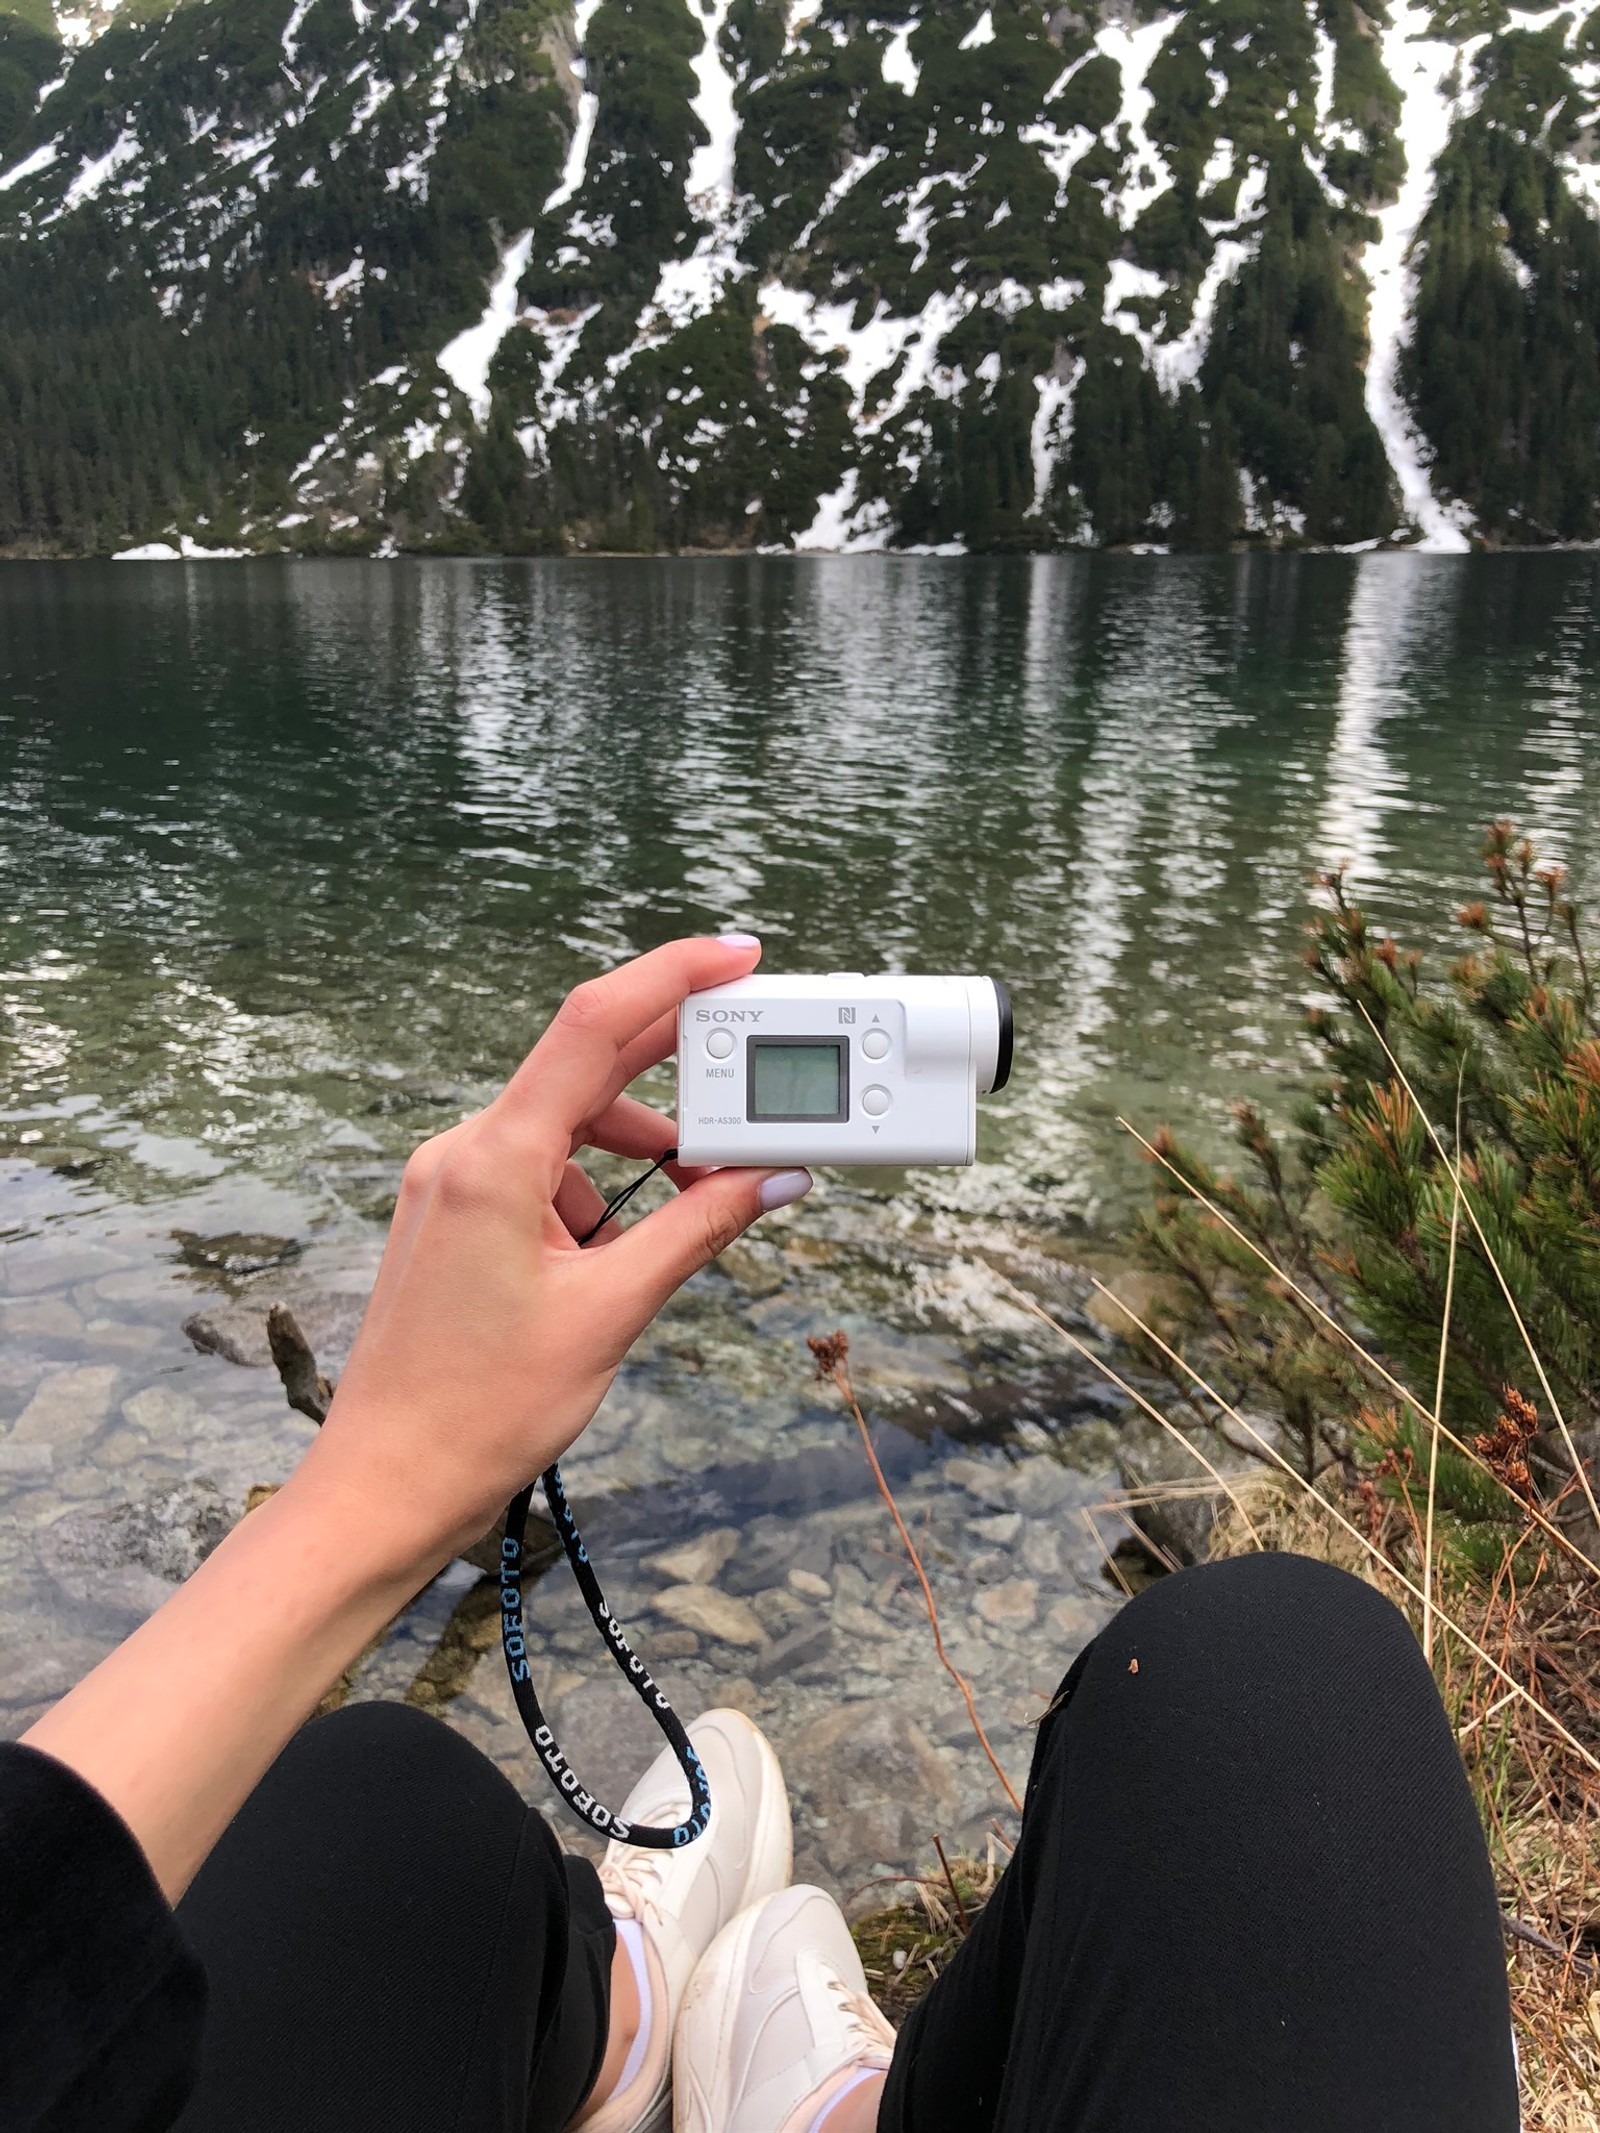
<point x="875" y="1101"/>
<point x="720" y="1043"/>
<point x="875" y="1044"/>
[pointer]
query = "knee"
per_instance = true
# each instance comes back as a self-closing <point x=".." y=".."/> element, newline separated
<point x="392" y="1745"/>
<point x="1266" y="1640"/>
<point x="1271" y="1603"/>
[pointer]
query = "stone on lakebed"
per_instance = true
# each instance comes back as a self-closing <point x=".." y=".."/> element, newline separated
<point x="712" y="1613"/>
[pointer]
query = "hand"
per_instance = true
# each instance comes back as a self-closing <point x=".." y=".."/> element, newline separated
<point x="489" y="1342"/>
<point x="491" y="1338"/>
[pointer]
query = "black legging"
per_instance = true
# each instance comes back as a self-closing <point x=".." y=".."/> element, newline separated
<point x="1250" y="1895"/>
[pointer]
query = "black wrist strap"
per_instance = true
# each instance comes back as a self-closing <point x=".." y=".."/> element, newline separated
<point x="514" y="1643"/>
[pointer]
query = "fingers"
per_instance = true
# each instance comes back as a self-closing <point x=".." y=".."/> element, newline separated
<point x="586" y="1057"/>
<point x="580" y="1203"/>
<point x="656" y="1256"/>
<point x="658" y="1042"/>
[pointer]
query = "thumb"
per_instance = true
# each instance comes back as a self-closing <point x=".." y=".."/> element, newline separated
<point x="658" y="1255"/>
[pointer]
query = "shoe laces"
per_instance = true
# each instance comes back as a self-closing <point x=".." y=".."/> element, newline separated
<point x="635" y="1882"/>
<point x="868" y="2027"/>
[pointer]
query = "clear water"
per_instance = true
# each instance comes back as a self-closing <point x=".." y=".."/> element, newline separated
<point x="296" y="858"/>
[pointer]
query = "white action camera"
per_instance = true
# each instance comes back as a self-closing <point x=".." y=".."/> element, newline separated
<point x="839" y="1069"/>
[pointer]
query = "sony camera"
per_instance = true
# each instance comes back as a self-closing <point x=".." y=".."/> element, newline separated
<point x="839" y="1069"/>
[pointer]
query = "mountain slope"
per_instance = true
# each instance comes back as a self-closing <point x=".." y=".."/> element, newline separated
<point x="517" y="275"/>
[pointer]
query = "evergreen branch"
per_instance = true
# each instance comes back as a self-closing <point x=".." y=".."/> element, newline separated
<point x="1401" y="1391"/>
<point x="1578" y="1465"/>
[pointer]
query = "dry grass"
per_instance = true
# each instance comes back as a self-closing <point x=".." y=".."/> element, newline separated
<point x="907" y="1943"/>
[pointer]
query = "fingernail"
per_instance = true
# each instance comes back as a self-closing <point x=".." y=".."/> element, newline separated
<point x="787" y="1186"/>
<point x="737" y="940"/>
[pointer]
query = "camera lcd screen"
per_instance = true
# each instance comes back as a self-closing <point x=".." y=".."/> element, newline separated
<point x="795" y="1079"/>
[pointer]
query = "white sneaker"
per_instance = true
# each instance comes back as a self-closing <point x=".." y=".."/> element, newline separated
<point x="682" y="1899"/>
<point x="777" y="2022"/>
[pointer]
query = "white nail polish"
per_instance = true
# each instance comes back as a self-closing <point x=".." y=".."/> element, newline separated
<point x="738" y="940"/>
<point x="787" y="1186"/>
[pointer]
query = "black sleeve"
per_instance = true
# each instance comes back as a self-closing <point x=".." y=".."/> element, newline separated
<point x="101" y="2002"/>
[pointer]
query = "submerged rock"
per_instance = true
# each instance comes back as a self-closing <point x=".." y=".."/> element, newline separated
<point x="237" y="1253"/>
<point x="1013" y="1605"/>
<point x="128" y="1557"/>
<point x="712" y="1613"/>
<point x="68" y="1407"/>
<point x="696" y="1562"/>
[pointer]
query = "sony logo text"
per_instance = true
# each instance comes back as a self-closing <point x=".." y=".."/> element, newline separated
<point x="729" y="1014"/>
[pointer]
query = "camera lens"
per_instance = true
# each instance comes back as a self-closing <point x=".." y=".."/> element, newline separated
<point x="1002" y="1057"/>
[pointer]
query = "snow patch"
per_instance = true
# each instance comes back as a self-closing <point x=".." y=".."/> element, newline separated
<point x="1134" y="50"/>
<point x="910" y="347"/>
<point x="186" y="551"/>
<point x="1177" y="362"/>
<point x="291" y="30"/>
<point x="465" y="360"/>
<point x="687" y="289"/>
<point x="802" y="13"/>
<point x="335" y="287"/>
<point x="981" y="32"/>
<point x="76" y="27"/>
<point x="40" y="159"/>
<point x="577" y="160"/>
<point x="1060" y="152"/>
<point x="1420" y="67"/>
<point x="900" y="70"/>
<point x="1052" y="430"/>
<point x="94" y="172"/>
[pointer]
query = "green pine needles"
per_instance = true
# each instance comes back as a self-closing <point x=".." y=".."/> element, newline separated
<point x="1495" y="1070"/>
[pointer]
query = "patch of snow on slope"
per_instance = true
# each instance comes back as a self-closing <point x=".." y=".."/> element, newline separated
<point x="351" y="278"/>
<point x="561" y="338"/>
<point x="186" y="551"/>
<point x="869" y="352"/>
<point x="1420" y="67"/>
<point x="1126" y="284"/>
<point x="1177" y="362"/>
<point x="1324" y="61"/>
<point x="75" y="26"/>
<point x="802" y="13"/>
<point x="1134" y="51"/>
<point x="39" y="160"/>
<point x="1060" y="152"/>
<point x="95" y="171"/>
<point x="291" y="30"/>
<point x="413" y="172"/>
<point x="846" y="182"/>
<point x="688" y="288"/>
<point x="1582" y="172"/>
<point x="465" y="360"/>
<point x="981" y="32"/>
<point x="1052" y="430"/>
<point x="900" y="70"/>
<point x="577" y="162"/>
<point x="47" y="89"/>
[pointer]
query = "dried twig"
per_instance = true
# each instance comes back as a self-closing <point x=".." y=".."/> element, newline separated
<point x="304" y="1385"/>
<point x="831" y="1351"/>
<point x="950" y="1883"/>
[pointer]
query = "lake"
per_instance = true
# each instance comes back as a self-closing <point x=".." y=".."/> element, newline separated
<point x="297" y="857"/>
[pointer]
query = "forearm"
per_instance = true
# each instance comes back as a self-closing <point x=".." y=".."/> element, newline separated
<point x="176" y="1727"/>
